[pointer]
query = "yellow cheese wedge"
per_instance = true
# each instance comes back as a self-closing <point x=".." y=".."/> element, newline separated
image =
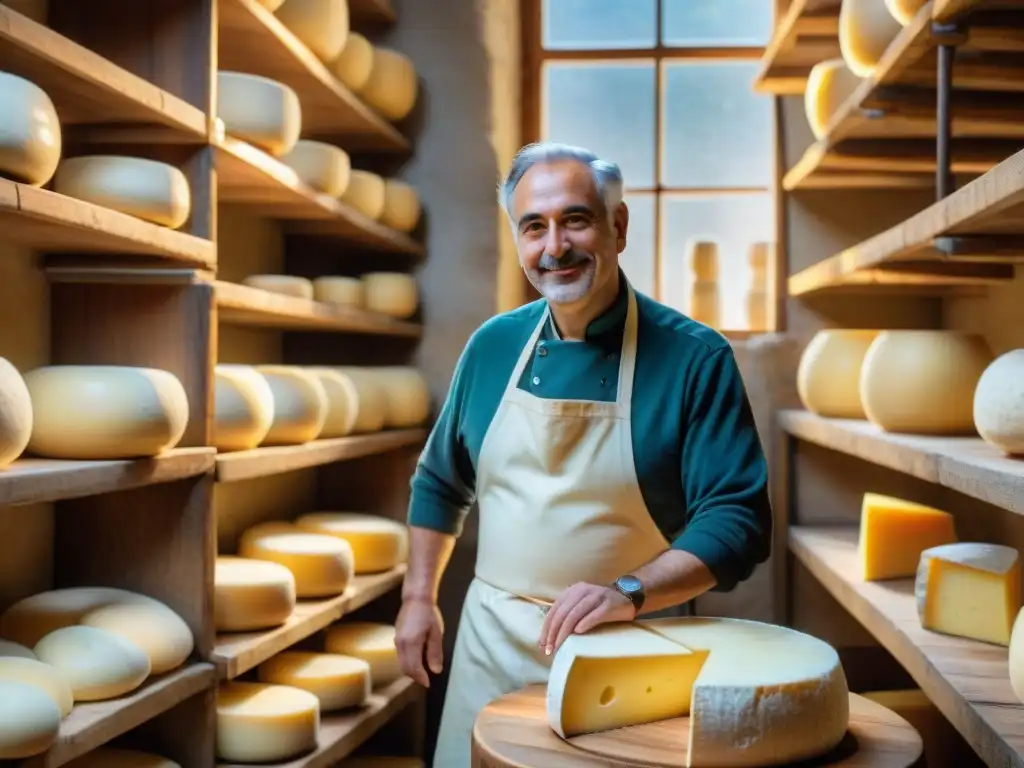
<point x="999" y="403"/>
<point x="391" y="293"/>
<point x="393" y="86"/>
<point x="113" y="757"/>
<point x="894" y="533"/>
<point x="401" y="206"/>
<point x="339" y="682"/>
<point x="829" y="85"/>
<point x="259" y="723"/>
<point x="828" y="376"/>
<point x="378" y="544"/>
<point x="322" y="565"/>
<point x="322" y="25"/>
<point x="260" y="111"/>
<point x="866" y="28"/>
<point x="373" y="643"/>
<point x="340" y="291"/>
<point x="287" y="285"/>
<point x="30" y="132"/>
<point x="365" y="192"/>
<point x="43" y="676"/>
<point x="29" y="721"/>
<point x="300" y="405"/>
<point x="243" y="408"/>
<point x="355" y="62"/>
<point x="15" y="413"/>
<point x="153" y="627"/>
<point x="251" y="594"/>
<point x="97" y="664"/>
<point x="322" y="166"/>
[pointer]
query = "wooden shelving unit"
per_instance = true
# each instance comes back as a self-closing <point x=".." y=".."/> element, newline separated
<point x="807" y="33"/>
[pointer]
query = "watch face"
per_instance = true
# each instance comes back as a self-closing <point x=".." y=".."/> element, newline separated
<point x="630" y="583"/>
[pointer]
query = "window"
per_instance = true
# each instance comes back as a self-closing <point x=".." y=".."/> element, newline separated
<point x="664" y="88"/>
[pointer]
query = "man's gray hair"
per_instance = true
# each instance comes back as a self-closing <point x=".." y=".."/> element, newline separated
<point x="607" y="175"/>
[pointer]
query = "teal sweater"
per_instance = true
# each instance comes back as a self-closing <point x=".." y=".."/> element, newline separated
<point x="699" y="461"/>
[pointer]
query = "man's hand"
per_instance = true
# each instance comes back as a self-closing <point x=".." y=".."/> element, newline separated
<point x="579" y="609"/>
<point x="418" y="632"/>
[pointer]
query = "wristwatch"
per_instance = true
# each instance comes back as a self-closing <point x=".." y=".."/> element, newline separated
<point x="632" y="588"/>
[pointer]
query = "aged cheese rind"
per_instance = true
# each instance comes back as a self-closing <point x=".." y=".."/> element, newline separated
<point x="339" y="682"/>
<point x="30" y="132"/>
<point x="259" y="723"/>
<point x="259" y="110"/>
<point x="829" y="85"/>
<point x="15" y="413"/>
<point x="322" y="565"/>
<point x="43" y="676"/>
<point x="828" y="375"/>
<point x="378" y="544"/>
<point x="97" y="664"/>
<point x="321" y="25"/>
<point x="999" y="403"/>
<point x="401" y="206"/>
<point x="355" y="62"/>
<point x="29" y="720"/>
<point x="372" y="642"/>
<point x="393" y="85"/>
<point x="365" y="192"/>
<point x="866" y="28"/>
<point x="243" y="408"/>
<point x="300" y="405"/>
<point x="251" y="594"/>
<point x="322" y="166"/>
<point x="894" y="533"/>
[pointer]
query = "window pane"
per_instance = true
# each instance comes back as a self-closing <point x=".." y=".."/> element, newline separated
<point x="582" y="24"/>
<point x="637" y="261"/>
<point x="715" y="23"/>
<point x="734" y="221"/>
<point x="607" y="108"/>
<point x="716" y="131"/>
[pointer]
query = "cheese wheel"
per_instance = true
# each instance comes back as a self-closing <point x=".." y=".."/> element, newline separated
<point x="15" y="411"/>
<point x="342" y="402"/>
<point x="15" y="650"/>
<point x="105" y="412"/>
<point x="1016" y="656"/>
<point x="904" y="11"/>
<point x="865" y="30"/>
<point x="339" y="291"/>
<point x="153" y="627"/>
<point x="829" y="85"/>
<point x="97" y="664"/>
<point x="374" y="643"/>
<point x="391" y="293"/>
<point x="703" y="259"/>
<point x="114" y="757"/>
<point x="287" y="285"/>
<point x="339" y="682"/>
<point x="243" y="408"/>
<point x="29" y="721"/>
<point x="322" y="166"/>
<point x="407" y="393"/>
<point x="322" y="565"/>
<point x="378" y="544"/>
<point x="355" y="62"/>
<point x="923" y="381"/>
<point x="300" y="405"/>
<point x="372" y="403"/>
<point x="393" y="86"/>
<point x="249" y="595"/>
<point x="401" y="206"/>
<point x="828" y="376"/>
<point x="365" y="192"/>
<point x="321" y="25"/>
<point x="43" y="676"/>
<point x="259" y="110"/>
<point x="999" y="403"/>
<point x="30" y="132"/>
<point x="146" y="189"/>
<point x="258" y="723"/>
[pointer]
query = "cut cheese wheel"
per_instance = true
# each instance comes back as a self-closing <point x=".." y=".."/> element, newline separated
<point x="103" y="412"/>
<point x="259" y="110"/>
<point x="30" y="132"/>
<point x="155" y="628"/>
<point x="42" y="676"/>
<point x="378" y="544"/>
<point x="372" y="405"/>
<point x="969" y="590"/>
<point x="300" y="405"/>
<point x="29" y="721"/>
<point x="97" y="664"/>
<point x="321" y="25"/>
<point x="243" y="408"/>
<point x="340" y="291"/>
<point x="829" y="85"/>
<point x="923" y="381"/>
<point x="393" y="86"/>
<point x="323" y="566"/>
<point x="391" y="293"/>
<point x="339" y="682"/>
<point x="287" y="285"/>
<point x="784" y="691"/>
<point x="259" y="723"/>
<point x="865" y="30"/>
<point x="894" y="533"/>
<point x="407" y="393"/>
<point x="355" y="62"/>
<point x="15" y="412"/>
<point x="381" y="761"/>
<point x="828" y="376"/>
<point x="401" y="206"/>
<point x="904" y="11"/>
<point x="15" y="650"/>
<point x="365" y="192"/>
<point x="322" y="166"/>
<point x="251" y="594"/>
<point x="374" y="643"/>
<point x="703" y="259"/>
<point x="999" y="403"/>
<point x="149" y="190"/>
<point x="113" y="757"/>
<point x="342" y="402"/>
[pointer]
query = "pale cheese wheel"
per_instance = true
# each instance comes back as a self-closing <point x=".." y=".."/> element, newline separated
<point x="372" y="403"/>
<point x="828" y="376"/>
<point x="322" y="166"/>
<point x="286" y="285"/>
<point x="904" y="11"/>
<point x="43" y="676"/>
<point x="923" y="382"/>
<point x="407" y="393"/>
<point x="339" y="682"/>
<point x="29" y="721"/>
<point x="378" y="543"/>
<point x="401" y="206"/>
<point x="153" y="627"/>
<point x="391" y="293"/>
<point x="260" y="111"/>
<point x="393" y="85"/>
<point x="15" y="411"/>
<point x="372" y="642"/>
<point x="15" y="650"/>
<point x="355" y="62"/>
<point x="249" y="594"/>
<point x="259" y="723"/>
<point x="829" y="85"/>
<point x="866" y="28"/>
<point x="365" y="192"/>
<point x="999" y="403"/>
<point x="342" y="402"/>
<point x="339" y="291"/>
<point x="115" y="757"/>
<point x="323" y="566"/>
<point x="243" y="408"/>
<point x="146" y="189"/>
<point x="300" y="405"/>
<point x="321" y="25"/>
<point x="97" y="664"/>
<point x="98" y="412"/>
<point x="703" y="259"/>
<point x="30" y="132"/>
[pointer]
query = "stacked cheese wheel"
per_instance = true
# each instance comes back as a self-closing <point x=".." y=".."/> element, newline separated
<point x="394" y="294"/>
<point x="30" y="132"/>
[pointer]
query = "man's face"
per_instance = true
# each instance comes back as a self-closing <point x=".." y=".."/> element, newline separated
<point x="567" y="245"/>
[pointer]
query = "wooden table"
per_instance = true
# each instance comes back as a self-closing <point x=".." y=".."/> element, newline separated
<point x="513" y="732"/>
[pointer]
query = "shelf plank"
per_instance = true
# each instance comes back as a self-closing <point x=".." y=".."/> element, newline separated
<point x="967" y="680"/>
<point x="93" y="724"/>
<point x="249" y="177"/>
<point x="806" y="34"/>
<point x="372" y="12"/>
<point x="328" y="107"/>
<point x="238" y="652"/>
<point x="241" y="305"/>
<point x="33" y="481"/>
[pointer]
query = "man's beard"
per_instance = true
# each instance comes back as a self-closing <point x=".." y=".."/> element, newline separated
<point x="564" y="290"/>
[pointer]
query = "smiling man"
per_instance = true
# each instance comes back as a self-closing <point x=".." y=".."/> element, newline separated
<point x="607" y="440"/>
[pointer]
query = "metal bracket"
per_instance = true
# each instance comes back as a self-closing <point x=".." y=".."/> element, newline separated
<point x="948" y="36"/>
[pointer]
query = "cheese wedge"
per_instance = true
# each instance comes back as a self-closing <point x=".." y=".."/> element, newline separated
<point x="894" y="533"/>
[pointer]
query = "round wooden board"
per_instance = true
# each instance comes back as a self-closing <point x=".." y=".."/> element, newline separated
<point x="513" y="732"/>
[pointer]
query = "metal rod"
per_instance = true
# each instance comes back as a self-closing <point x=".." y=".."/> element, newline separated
<point x="944" y="183"/>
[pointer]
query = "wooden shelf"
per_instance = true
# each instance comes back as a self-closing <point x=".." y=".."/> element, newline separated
<point x="372" y="12"/>
<point x="91" y="725"/>
<point x="328" y="107"/>
<point x="967" y="680"/>
<point x="806" y="34"/>
<point x="239" y="652"/>
<point x="249" y="177"/>
<point x="242" y="305"/>
<point x="32" y="481"/>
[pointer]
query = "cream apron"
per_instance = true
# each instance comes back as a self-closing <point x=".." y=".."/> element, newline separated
<point x="559" y="503"/>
